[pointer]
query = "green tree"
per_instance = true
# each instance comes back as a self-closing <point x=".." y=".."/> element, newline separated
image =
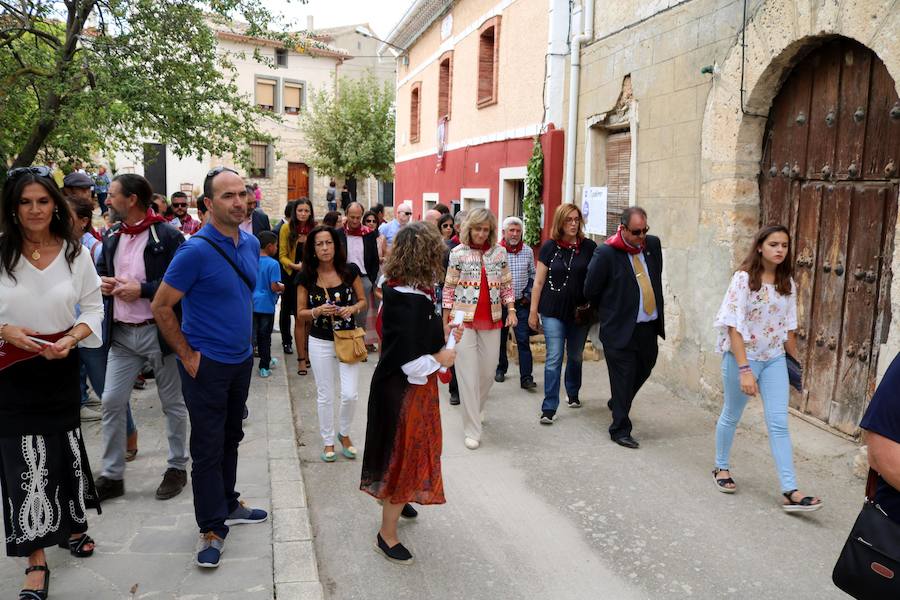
<point x="352" y="132"/>
<point x="82" y="76"/>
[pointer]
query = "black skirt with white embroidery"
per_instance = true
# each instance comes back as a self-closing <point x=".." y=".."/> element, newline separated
<point x="47" y="488"/>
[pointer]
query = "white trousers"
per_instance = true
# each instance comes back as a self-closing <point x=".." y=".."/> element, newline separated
<point x="476" y="364"/>
<point x="324" y="367"/>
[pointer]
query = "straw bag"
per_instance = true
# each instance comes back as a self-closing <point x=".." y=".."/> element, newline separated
<point x="349" y="344"/>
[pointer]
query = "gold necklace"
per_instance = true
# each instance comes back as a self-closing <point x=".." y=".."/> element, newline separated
<point x="36" y="253"/>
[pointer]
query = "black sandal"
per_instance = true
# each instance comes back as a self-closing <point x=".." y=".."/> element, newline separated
<point x="302" y="370"/>
<point x="76" y="546"/>
<point x="723" y="482"/>
<point x="41" y="594"/>
<point x="806" y="504"/>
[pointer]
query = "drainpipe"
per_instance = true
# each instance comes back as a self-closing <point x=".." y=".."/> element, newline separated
<point x="574" y="87"/>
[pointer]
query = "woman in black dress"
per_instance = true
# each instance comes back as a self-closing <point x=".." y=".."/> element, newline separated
<point x="44" y="472"/>
<point x="402" y="459"/>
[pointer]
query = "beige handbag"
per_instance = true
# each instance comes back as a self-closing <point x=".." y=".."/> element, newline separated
<point x="350" y="346"/>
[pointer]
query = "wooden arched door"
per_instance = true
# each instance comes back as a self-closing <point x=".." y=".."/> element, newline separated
<point x="830" y="173"/>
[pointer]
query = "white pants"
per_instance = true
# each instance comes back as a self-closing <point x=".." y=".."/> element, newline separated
<point x="324" y="364"/>
<point x="476" y="364"/>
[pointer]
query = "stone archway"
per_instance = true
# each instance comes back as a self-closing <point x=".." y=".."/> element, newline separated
<point x="778" y="34"/>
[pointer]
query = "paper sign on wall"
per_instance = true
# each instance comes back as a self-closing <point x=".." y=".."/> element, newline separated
<point x="593" y="207"/>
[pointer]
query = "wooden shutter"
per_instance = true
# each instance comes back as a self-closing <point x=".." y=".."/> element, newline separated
<point x="414" y="107"/>
<point x="618" y="174"/>
<point x="293" y="93"/>
<point x="265" y="94"/>
<point x="488" y="53"/>
<point x="445" y="83"/>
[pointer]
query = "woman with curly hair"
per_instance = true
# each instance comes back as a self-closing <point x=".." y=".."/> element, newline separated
<point x="402" y="459"/>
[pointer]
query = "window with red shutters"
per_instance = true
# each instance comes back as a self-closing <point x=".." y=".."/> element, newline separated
<point x="445" y="84"/>
<point x="488" y="61"/>
<point x="415" y="96"/>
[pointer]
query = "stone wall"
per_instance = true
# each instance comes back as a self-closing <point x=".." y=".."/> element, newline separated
<point x="697" y="155"/>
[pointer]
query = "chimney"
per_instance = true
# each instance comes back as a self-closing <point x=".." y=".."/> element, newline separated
<point x="309" y="23"/>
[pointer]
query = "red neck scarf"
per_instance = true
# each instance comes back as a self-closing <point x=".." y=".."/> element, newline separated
<point x="455" y="239"/>
<point x="360" y="231"/>
<point x="484" y="247"/>
<point x="141" y="226"/>
<point x="566" y="245"/>
<point x="96" y="234"/>
<point x="619" y="243"/>
<point x="512" y="249"/>
<point x="305" y="228"/>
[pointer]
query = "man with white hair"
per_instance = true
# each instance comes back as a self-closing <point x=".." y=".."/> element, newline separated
<point x="521" y="266"/>
<point x="402" y="216"/>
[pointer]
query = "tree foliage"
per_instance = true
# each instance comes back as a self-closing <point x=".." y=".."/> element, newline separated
<point x="352" y="132"/>
<point x="85" y="76"/>
<point x="534" y="189"/>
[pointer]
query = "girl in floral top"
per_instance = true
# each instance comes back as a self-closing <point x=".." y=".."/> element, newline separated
<point x="756" y="324"/>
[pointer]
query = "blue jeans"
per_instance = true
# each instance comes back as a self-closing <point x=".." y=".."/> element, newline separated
<point x="560" y="336"/>
<point x="772" y="380"/>
<point x="523" y="344"/>
<point x="93" y="368"/>
<point x="215" y="400"/>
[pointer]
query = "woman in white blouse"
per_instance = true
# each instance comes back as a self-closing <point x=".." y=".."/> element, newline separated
<point x="756" y="324"/>
<point x="44" y="274"/>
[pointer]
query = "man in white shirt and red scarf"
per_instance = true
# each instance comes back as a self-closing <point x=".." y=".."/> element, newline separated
<point x="520" y="258"/>
<point x="135" y="257"/>
<point x="361" y="244"/>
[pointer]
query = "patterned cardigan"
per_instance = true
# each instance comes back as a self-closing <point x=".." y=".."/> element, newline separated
<point x="462" y="285"/>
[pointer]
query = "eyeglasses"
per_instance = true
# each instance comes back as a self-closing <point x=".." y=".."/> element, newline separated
<point x="179" y="205"/>
<point x="40" y="171"/>
<point x="639" y="232"/>
<point x="570" y="220"/>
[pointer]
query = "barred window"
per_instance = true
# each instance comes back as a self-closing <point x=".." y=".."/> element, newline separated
<point x="259" y="158"/>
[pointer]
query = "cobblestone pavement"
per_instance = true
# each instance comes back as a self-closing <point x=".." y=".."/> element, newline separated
<point x="559" y="512"/>
<point x="145" y="547"/>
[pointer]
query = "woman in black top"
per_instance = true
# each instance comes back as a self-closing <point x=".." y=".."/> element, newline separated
<point x="558" y="297"/>
<point x="330" y="294"/>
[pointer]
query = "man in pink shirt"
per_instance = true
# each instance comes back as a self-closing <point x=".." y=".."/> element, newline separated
<point x="134" y="260"/>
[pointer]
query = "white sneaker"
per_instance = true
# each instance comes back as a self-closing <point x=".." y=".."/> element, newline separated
<point x="472" y="444"/>
<point x="90" y="414"/>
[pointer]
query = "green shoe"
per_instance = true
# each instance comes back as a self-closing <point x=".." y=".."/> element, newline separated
<point x="328" y="456"/>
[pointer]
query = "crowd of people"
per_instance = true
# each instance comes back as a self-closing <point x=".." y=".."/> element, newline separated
<point x="437" y="299"/>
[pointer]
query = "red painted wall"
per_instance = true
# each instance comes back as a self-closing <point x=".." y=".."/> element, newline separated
<point x="417" y="176"/>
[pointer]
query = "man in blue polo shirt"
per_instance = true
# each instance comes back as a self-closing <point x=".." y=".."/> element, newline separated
<point x="213" y="276"/>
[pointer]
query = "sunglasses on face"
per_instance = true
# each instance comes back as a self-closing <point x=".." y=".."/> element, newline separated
<point x="639" y="232"/>
<point x="40" y="171"/>
<point x="369" y="221"/>
<point x="403" y="212"/>
<point x="447" y="226"/>
<point x="179" y="205"/>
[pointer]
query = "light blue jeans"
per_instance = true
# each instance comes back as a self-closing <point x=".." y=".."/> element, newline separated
<point x="772" y="380"/>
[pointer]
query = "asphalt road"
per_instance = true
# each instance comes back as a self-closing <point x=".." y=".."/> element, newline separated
<point x="561" y="512"/>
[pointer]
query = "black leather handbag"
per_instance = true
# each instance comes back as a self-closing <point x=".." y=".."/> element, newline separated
<point x="869" y="565"/>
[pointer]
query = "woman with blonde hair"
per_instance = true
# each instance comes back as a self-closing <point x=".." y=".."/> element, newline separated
<point x="558" y="304"/>
<point x="402" y="459"/>
<point x="478" y="282"/>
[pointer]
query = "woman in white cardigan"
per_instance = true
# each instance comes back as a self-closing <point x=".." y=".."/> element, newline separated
<point x="46" y="278"/>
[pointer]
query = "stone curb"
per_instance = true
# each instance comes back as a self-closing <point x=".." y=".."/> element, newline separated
<point x="296" y="576"/>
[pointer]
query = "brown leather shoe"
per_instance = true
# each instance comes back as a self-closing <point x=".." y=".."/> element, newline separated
<point x="173" y="482"/>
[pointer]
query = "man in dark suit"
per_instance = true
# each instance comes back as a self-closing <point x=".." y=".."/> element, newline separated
<point x="256" y="220"/>
<point x="624" y="280"/>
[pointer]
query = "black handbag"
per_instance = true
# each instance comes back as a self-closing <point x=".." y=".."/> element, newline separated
<point x="869" y="565"/>
<point x="795" y="373"/>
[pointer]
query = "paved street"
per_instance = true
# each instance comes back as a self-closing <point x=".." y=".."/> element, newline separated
<point x="145" y="547"/>
<point x="560" y="512"/>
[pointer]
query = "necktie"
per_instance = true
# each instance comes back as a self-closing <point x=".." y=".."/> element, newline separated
<point x="644" y="281"/>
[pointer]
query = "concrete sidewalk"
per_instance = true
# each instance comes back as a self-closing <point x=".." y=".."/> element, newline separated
<point x="146" y="547"/>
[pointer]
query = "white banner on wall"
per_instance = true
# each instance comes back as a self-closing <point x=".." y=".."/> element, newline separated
<point x="593" y="207"/>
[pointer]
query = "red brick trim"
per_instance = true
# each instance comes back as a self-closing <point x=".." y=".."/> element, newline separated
<point x="488" y="70"/>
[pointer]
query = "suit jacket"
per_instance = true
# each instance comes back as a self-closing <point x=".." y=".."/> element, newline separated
<point x="612" y="287"/>
<point x="260" y="221"/>
<point x="162" y="243"/>
<point x="370" y="253"/>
